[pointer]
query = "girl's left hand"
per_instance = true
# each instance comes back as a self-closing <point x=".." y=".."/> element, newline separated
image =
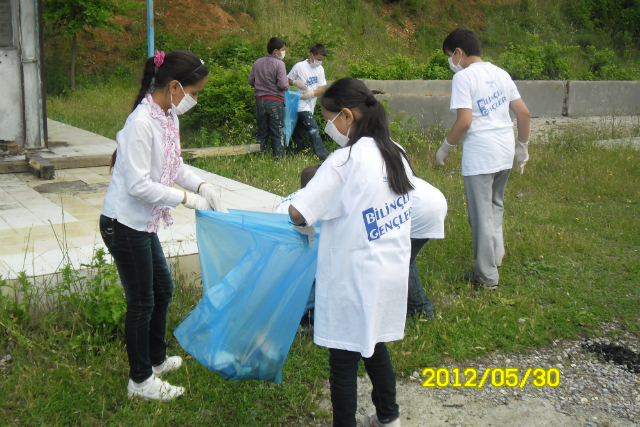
<point x="208" y="192"/>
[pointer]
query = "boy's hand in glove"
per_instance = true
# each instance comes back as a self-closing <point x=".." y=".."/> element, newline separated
<point x="443" y="152"/>
<point x="307" y="95"/>
<point x="522" y="155"/>
<point x="307" y="230"/>
<point x="196" y="202"/>
<point x="300" y="84"/>
<point x="209" y="193"/>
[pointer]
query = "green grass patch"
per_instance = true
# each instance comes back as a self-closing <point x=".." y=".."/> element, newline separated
<point x="572" y="263"/>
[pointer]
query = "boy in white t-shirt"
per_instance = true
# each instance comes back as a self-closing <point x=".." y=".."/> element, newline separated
<point x="427" y="222"/>
<point x="482" y="95"/>
<point x="308" y="77"/>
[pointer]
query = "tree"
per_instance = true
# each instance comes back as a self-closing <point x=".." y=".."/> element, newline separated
<point x="73" y="16"/>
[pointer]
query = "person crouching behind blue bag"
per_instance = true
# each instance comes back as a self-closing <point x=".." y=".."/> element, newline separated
<point x="283" y="208"/>
<point x="361" y="195"/>
<point x="140" y="196"/>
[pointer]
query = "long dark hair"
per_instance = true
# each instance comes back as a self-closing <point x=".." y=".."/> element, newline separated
<point x="181" y="65"/>
<point x="353" y="94"/>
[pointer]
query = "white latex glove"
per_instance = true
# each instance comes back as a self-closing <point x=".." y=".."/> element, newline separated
<point x="300" y="85"/>
<point x="522" y="155"/>
<point x="307" y="230"/>
<point x="208" y="192"/>
<point x="443" y="152"/>
<point x="307" y="95"/>
<point x="196" y="202"/>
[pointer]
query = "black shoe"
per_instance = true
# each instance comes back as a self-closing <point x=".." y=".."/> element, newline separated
<point x="322" y="158"/>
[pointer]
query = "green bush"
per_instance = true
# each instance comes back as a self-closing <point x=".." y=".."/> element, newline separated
<point x="227" y="99"/>
<point x="401" y="67"/>
<point x="536" y="61"/>
<point x="618" y="17"/>
<point x="602" y="66"/>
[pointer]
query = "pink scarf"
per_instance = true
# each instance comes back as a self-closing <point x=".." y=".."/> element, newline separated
<point x="172" y="152"/>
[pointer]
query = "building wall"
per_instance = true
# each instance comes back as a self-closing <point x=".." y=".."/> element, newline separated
<point x="22" y="104"/>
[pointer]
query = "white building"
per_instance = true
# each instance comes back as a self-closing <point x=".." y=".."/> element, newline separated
<point x="23" y="100"/>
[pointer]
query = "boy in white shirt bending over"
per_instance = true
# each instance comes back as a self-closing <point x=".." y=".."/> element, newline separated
<point x="308" y="77"/>
<point x="482" y="95"/>
<point x="427" y="222"/>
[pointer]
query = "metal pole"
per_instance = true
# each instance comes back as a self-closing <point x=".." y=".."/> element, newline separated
<point x="150" y="35"/>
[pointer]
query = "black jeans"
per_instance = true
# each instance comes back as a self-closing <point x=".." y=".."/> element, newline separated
<point x="343" y="371"/>
<point x="148" y="288"/>
<point x="270" y="122"/>
<point x="417" y="300"/>
<point x="307" y="124"/>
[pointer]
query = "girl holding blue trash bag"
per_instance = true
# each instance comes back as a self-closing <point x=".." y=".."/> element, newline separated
<point x="361" y="193"/>
<point x="139" y="196"/>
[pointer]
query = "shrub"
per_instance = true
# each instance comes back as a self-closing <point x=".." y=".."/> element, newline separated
<point x="614" y="16"/>
<point x="536" y="61"/>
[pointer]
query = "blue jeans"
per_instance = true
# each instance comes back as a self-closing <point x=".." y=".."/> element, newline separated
<point x="307" y="124"/>
<point x="311" y="301"/>
<point x="417" y="300"/>
<point x="148" y="288"/>
<point x="270" y="122"/>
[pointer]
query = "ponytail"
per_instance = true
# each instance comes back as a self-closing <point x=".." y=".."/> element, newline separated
<point x="181" y="65"/>
<point x="147" y="77"/>
<point x="353" y="94"/>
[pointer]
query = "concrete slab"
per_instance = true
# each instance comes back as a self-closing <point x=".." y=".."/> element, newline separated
<point x="543" y="98"/>
<point x="427" y="110"/>
<point x="612" y="98"/>
<point x="44" y="224"/>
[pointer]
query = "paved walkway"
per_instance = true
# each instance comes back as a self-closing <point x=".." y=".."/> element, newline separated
<point x="44" y="224"/>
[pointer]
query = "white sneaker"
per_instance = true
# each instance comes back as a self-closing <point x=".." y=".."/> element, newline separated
<point x="371" y="420"/>
<point x="154" y="389"/>
<point x="170" y="364"/>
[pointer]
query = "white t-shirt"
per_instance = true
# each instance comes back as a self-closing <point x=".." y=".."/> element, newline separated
<point x="283" y="207"/>
<point x="313" y="77"/>
<point x="489" y="144"/>
<point x="364" y="249"/>
<point x="428" y="211"/>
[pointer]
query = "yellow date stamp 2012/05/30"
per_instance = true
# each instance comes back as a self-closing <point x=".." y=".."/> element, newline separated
<point x="497" y="377"/>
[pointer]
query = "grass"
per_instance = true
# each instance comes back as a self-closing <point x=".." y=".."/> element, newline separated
<point x="572" y="263"/>
<point x="100" y="108"/>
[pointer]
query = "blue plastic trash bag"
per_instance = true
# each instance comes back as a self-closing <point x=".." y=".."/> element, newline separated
<point x="291" y="101"/>
<point x="257" y="272"/>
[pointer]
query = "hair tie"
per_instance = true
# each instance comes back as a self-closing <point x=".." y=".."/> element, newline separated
<point x="158" y="58"/>
<point x="371" y="100"/>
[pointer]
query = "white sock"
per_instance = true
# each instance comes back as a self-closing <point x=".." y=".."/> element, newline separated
<point x="144" y="383"/>
<point x="160" y="367"/>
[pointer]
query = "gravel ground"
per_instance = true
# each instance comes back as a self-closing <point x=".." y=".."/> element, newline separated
<point x="541" y="127"/>
<point x="592" y="391"/>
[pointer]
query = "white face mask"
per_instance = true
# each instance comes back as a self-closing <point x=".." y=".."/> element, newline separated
<point x="185" y="105"/>
<point x="335" y="134"/>
<point x="455" y="68"/>
<point x="316" y="63"/>
<point x="282" y="54"/>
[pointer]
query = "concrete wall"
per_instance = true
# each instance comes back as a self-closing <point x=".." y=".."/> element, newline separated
<point x="22" y="105"/>
<point x="603" y="99"/>
<point x="428" y="100"/>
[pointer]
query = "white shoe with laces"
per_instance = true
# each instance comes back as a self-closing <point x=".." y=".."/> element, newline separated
<point x="372" y="420"/>
<point x="153" y="388"/>
<point x="170" y="364"/>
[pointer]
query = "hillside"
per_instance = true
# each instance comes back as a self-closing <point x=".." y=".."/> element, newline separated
<point x="360" y="30"/>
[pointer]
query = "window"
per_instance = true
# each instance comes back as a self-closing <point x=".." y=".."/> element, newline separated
<point x="6" y="28"/>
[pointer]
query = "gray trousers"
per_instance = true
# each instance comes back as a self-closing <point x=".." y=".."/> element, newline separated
<point x="485" y="195"/>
